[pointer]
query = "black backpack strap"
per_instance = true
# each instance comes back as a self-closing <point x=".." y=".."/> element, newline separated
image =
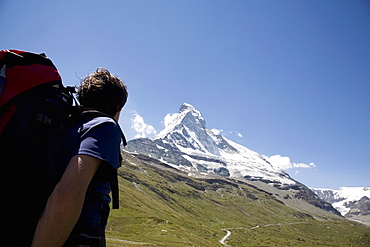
<point x="114" y="186"/>
<point x="115" y="192"/>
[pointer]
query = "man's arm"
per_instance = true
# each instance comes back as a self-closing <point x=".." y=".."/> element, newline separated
<point x="65" y="203"/>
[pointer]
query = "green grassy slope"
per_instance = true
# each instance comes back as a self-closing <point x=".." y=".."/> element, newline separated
<point x="160" y="206"/>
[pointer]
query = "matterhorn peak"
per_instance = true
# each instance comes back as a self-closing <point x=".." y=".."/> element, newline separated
<point x="188" y="131"/>
<point x="186" y="142"/>
<point x="188" y="116"/>
<point x="192" y="118"/>
<point x="205" y="150"/>
<point x="187" y="107"/>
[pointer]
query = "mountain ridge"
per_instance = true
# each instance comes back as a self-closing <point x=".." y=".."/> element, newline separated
<point x="187" y="134"/>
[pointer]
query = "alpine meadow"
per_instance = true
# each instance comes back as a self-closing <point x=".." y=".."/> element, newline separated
<point x="162" y="206"/>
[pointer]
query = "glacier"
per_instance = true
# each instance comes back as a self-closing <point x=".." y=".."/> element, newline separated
<point x="343" y="198"/>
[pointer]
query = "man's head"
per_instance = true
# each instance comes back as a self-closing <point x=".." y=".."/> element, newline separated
<point x="102" y="91"/>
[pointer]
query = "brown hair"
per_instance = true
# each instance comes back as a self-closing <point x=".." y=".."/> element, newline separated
<point x="102" y="91"/>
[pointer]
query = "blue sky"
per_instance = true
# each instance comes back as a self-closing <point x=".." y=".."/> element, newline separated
<point x="288" y="78"/>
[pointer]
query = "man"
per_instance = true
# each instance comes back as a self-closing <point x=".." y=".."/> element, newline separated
<point x="77" y="210"/>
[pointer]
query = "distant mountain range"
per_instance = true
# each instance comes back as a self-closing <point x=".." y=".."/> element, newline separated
<point x="187" y="145"/>
<point x="351" y="202"/>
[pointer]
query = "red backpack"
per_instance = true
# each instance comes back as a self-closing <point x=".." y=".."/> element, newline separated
<point x="34" y="108"/>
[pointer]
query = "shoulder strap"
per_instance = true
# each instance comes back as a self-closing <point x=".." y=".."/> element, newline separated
<point x="114" y="179"/>
<point x="115" y="191"/>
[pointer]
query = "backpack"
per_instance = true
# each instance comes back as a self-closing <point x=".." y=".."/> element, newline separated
<point x="35" y="111"/>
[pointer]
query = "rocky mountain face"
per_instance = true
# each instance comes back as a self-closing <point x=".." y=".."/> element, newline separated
<point x="187" y="145"/>
<point x="351" y="202"/>
<point x="358" y="208"/>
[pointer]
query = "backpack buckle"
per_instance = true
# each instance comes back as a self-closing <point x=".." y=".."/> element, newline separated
<point x="43" y="119"/>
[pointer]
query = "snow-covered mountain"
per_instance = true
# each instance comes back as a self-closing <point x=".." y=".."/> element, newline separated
<point x="186" y="144"/>
<point x="351" y="202"/>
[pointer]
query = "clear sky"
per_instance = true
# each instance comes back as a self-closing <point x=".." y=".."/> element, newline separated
<point x="288" y="79"/>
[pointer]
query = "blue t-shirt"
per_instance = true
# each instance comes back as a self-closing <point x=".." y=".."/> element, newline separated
<point x="98" y="137"/>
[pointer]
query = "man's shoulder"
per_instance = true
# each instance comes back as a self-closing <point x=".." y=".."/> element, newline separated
<point x="97" y="121"/>
<point x="105" y="126"/>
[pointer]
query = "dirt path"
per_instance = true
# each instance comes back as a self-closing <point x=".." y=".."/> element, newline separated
<point x="228" y="233"/>
<point x="127" y="242"/>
